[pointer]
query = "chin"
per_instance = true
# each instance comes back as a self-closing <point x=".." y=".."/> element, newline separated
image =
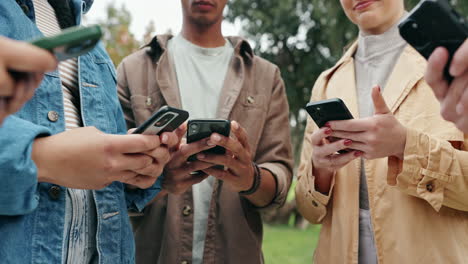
<point x="203" y="20"/>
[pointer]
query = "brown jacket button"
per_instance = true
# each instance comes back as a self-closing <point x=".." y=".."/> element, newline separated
<point x="54" y="192"/>
<point x="53" y="116"/>
<point x="184" y="262"/>
<point x="430" y="187"/>
<point x="187" y="210"/>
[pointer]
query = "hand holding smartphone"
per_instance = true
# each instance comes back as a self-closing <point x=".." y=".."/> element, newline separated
<point x="199" y="129"/>
<point x="325" y="111"/>
<point x="432" y="24"/>
<point x="166" y="119"/>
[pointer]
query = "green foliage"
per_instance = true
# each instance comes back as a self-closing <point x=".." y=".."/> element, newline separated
<point x="304" y="38"/>
<point x="288" y="245"/>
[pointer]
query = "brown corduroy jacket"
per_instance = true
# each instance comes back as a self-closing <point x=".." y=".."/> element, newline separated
<point x="254" y="95"/>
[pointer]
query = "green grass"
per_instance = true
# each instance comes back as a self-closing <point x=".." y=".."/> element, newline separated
<point x="285" y="244"/>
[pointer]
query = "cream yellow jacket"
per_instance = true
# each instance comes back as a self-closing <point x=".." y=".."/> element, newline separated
<point x="419" y="205"/>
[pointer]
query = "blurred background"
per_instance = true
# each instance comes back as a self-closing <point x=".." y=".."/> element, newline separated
<point x="303" y="37"/>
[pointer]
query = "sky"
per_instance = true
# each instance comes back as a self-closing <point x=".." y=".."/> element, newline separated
<point x="166" y="14"/>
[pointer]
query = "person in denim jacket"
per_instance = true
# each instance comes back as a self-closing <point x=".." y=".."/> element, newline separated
<point x="45" y="216"/>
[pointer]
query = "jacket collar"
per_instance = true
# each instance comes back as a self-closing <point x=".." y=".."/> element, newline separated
<point x="166" y="77"/>
<point x="408" y="71"/>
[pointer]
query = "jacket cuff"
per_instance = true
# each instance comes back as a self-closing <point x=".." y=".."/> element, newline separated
<point x="424" y="170"/>
<point x="138" y="199"/>
<point x="282" y="185"/>
<point x="18" y="172"/>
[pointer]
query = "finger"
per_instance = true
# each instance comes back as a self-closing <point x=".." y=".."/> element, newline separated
<point x="460" y="61"/>
<point x="319" y="135"/>
<point x="435" y="72"/>
<point x="133" y="143"/>
<point x="130" y="162"/>
<point x="130" y="131"/>
<point x="462" y="107"/>
<point x="340" y="160"/>
<point x="24" y="57"/>
<point x="153" y="170"/>
<point x="354" y="136"/>
<point x="380" y="107"/>
<point x="332" y="148"/>
<point x="187" y="150"/>
<point x="240" y="133"/>
<point x="225" y="160"/>
<point x="221" y="175"/>
<point x="7" y="83"/>
<point x="124" y="176"/>
<point x="190" y="167"/>
<point x="170" y="139"/>
<point x="351" y="125"/>
<point x="232" y="145"/>
<point x="180" y="131"/>
<point x="18" y="99"/>
<point x="454" y="94"/>
<point x="161" y="155"/>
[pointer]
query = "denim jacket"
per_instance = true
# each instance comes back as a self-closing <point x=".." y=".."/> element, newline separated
<point x="31" y="213"/>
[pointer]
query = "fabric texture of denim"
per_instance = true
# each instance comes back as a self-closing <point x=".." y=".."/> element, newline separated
<point x="31" y="214"/>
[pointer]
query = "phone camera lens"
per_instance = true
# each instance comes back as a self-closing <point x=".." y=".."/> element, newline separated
<point x="194" y="128"/>
<point x="164" y="120"/>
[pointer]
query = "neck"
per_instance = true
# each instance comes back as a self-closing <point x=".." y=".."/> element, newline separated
<point x="385" y="26"/>
<point x="203" y="36"/>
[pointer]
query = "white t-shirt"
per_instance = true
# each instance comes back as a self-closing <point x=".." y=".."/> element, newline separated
<point x="200" y="74"/>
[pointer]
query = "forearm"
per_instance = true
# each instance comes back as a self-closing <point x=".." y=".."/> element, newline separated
<point x="433" y="170"/>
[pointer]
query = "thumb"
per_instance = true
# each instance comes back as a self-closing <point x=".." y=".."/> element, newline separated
<point x="380" y="107"/>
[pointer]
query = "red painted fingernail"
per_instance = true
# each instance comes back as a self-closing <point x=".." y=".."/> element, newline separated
<point x="358" y="154"/>
<point x="328" y="125"/>
<point x="328" y="131"/>
<point x="348" y="142"/>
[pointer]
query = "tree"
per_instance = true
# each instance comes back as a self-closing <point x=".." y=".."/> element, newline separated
<point x="303" y="37"/>
<point x="119" y="41"/>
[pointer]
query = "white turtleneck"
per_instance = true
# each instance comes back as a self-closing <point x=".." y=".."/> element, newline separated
<point x="374" y="62"/>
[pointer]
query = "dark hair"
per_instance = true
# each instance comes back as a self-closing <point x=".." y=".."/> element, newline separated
<point x="64" y="12"/>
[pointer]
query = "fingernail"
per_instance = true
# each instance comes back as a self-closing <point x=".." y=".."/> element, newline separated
<point x="460" y="109"/>
<point x="328" y="125"/>
<point x="328" y="131"/>
<point x="165" y="139"/>
<point x="216" y="137"/>
<point x="380" y="90"/>
<point x="210" y="143"/>
<point x="348" y="142"/>
<point x="201" y="156"/>
<point x="454" y="71"/>
<point x="235" y="125"/>
<point x="358" y="154"/>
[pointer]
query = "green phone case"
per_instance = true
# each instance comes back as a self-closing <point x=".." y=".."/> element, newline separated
<point x="72" y="42"/>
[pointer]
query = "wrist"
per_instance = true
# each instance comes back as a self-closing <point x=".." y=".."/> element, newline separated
<point x="256" y="181"/>
<point x="38" y="157"/>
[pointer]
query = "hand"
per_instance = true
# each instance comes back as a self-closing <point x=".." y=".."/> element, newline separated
<point x="30" y="63"/>
<point x="179" y="174"/>
<point x="161" y="155"/>
<point x="378" y="136"/>
<point x="454" y="96"/>
<point x="86" y="158"/>
<point x="239" y="173"/>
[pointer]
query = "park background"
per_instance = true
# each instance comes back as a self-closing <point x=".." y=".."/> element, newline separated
<point x="303" y="37"/>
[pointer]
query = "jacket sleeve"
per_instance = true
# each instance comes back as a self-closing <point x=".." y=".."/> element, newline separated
<point x="311" y="203"/>
<point x="125" y="95"/>
<point x="275" y="154"/>
<point x="433" y="170"/>
<point x="18" y="173"/>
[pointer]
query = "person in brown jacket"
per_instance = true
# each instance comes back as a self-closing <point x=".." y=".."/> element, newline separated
<point x="215" y="216"/>
<point x="401" y="194"/>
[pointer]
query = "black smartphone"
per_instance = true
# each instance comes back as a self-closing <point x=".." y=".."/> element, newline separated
<point x="166" y="119"/>
<point x="329" y="110"/>
<point x="199" y="129"/>
<point x="432" y="24"/>
<point x="71" y="43"/>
